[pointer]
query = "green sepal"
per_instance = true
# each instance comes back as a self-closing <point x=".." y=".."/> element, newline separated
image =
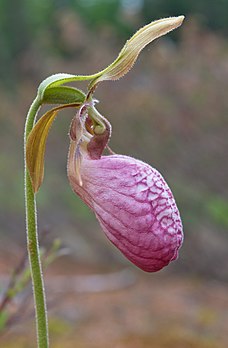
<point x="57" y="80"/>
<point x="129" y="53"/>
<point x="63" y="95"/>
<point x="36" y="145"/>
<point x="123" y="63"/>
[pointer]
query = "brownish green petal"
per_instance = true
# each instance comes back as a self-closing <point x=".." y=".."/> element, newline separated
<point x="36" y="144"/>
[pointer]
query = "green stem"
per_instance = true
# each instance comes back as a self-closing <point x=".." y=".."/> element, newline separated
<point x="32" y="241"/>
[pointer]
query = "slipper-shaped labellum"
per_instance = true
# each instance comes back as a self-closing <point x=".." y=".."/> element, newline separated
<point x="133" y="203"/>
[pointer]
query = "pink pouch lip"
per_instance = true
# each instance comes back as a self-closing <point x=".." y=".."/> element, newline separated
<point x="135" y="208"/>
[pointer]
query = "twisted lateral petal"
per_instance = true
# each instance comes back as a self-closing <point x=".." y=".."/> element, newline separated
<point x="135" y="208"/>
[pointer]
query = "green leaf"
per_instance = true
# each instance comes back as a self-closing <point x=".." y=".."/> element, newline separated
<point x="129" y="53"/>
<point x="36" y="144"/>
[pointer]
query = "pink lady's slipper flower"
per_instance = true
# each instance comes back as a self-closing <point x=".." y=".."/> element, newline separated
<point x="132" y="202"/>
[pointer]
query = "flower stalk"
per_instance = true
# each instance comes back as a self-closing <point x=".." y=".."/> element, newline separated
<point x="32" y="240"/>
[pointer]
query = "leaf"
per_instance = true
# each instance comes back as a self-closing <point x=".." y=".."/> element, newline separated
<point x="129" y="53"/>
<point x="36" y="144"/>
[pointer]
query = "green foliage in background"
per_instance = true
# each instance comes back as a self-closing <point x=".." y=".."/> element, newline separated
<point x="218" y="210"/>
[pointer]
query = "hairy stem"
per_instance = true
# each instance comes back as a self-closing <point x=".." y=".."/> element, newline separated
<point x="32" y="241"/>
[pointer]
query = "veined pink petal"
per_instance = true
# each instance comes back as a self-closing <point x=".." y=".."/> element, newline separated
<point x="135" y="208"/>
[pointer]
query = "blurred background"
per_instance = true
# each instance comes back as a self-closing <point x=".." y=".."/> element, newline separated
<point x="170" y="111"/>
